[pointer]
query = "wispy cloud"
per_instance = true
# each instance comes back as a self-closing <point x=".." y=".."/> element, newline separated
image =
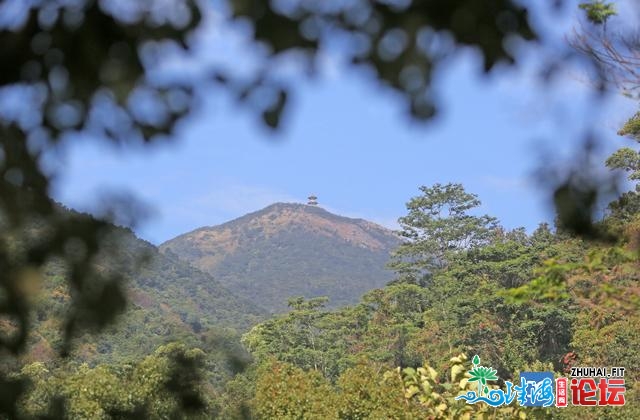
<point x="505" y="183"/>
<point x="223" y="200"/>
<point x="239" y="199"/>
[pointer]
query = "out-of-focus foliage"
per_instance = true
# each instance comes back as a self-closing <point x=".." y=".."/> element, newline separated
<point x="436" y="393"/>
<point x="579" y="190"/>
<point x="614" y="50"/>
<point x="403" y="42"/>
<point x="169" y="300"/>
<point x="73" y="65"/>
<point x="162" y="385"/>
<point x="84" y="64"/>
<point x="90" y="66"/>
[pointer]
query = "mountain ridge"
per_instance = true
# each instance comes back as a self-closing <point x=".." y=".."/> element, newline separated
<point x="168" y="299"/>
<point x="312" y="208"/>
<point x="267" y="249"/>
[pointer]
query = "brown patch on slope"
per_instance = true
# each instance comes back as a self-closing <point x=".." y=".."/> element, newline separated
<point x="207" y="247"/>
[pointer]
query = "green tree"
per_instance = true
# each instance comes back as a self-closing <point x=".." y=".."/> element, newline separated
<point x="439" y="224"/>
<point x="395" y="316"/>
<point x="284" y="391"/>
<point x="307" y="337"/>
<point x="367" y="391"/>
<point x="598" y="11"/>
<point x="616" y="56"/>
<point x="164" y="384"/>
<point x="363" y="392"/>
<point x="628" y="204"/>
<point x="86" y="66"/>
<point x="436" y="393"/>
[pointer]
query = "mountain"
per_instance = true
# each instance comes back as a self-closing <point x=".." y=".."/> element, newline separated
<point x="287" y="250"/>
<point x="168" y="299"/>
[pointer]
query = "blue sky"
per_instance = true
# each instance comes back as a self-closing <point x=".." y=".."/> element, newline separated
<point x="350" y="143"/>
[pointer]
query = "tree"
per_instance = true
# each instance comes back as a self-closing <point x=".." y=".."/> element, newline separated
<point x="436" y="393"/>
<point x="598" y="11"/>
<point x="396" y="316"/>
<point x="615" y="56"/>
<point x="284" y="391"/>
<point x="628" y="204"/>
<point x="438" y="226"/>
<point x="162" y="385"/>
<point x="614" y="53"/>
<point x="367" y="391"/>
<point x="307" y="337"/>
<point x="76" y="66"/>
<point x="91" y="67"/>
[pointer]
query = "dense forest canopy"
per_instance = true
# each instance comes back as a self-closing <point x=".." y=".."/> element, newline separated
<point x="540" y="301"/>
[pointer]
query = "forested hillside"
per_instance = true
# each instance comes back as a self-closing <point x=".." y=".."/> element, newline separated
<point x="167" y="300"/>
<point x="545" y="301"/>
<point x="288" y="312"/>
<point x="289" y="250"/>
<point x="523" y="302"/>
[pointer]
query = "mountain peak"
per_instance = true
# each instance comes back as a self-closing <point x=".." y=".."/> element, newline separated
<point x="292" y="243"/>
<point x="279" y="216"/>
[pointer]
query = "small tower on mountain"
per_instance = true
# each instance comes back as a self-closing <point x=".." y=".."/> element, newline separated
<point x="313" y="200"/>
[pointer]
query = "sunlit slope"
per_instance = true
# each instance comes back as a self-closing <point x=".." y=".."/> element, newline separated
<point x="289" y="250"/>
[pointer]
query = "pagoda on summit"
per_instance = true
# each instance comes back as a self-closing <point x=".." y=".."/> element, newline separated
<point x="313" y="200"/>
